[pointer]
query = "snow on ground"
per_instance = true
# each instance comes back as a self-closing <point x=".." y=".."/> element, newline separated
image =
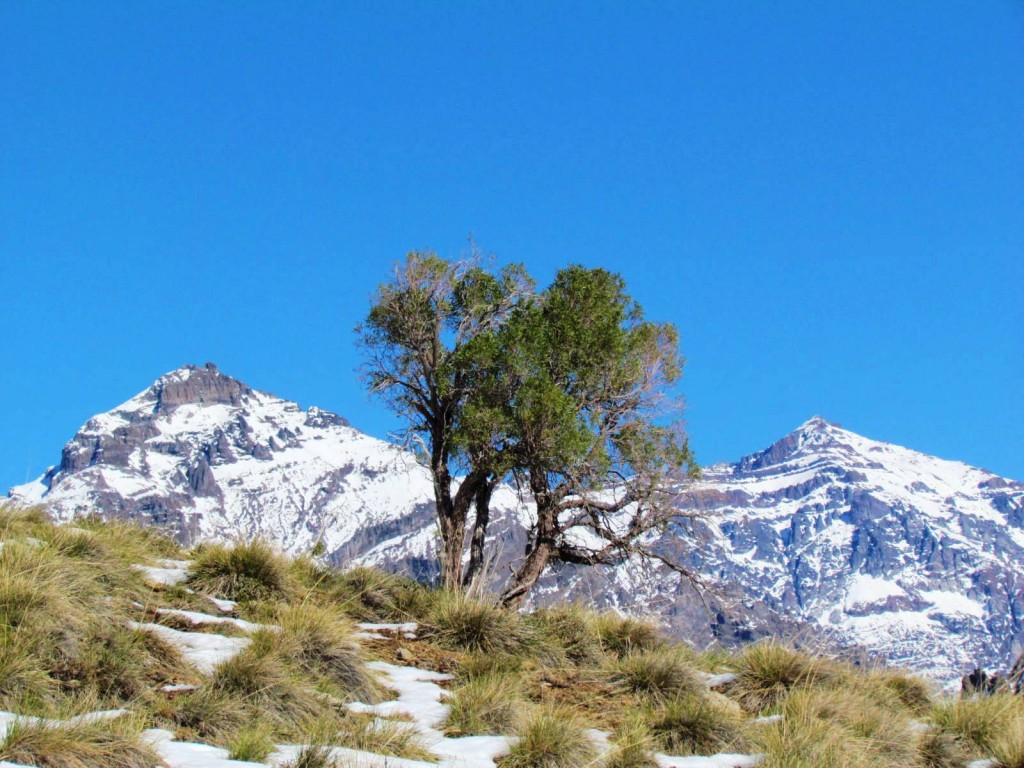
<point x="162" y="576"/>
<point x="203" y="650"/>
<point x="204" y="618"/>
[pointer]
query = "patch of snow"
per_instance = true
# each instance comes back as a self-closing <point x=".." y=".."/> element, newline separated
<point x="162" y="577"/>
<point x="227" y="606"/>
<point x="722" y="760"/>
<point x="202" y="650"/>
<point x="204" y="618"/>
<point x="7" y="719"/>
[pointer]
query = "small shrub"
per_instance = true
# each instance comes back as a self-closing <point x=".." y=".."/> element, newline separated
<point x="550" y="737"/>
<point x="245" y="571"/>
<point x="912" y="692"/>
<point x="625" y="635"/>
<point x="695" y="725"/>
<point x="205" y="714"/>
<point x="659" y="674"/>
<point x="489" y="704"/>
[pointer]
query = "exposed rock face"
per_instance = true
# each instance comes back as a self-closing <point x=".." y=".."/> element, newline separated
<point x="824" y="533"/>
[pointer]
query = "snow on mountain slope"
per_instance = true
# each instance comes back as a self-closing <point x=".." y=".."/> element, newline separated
<point x="824" y="533"/>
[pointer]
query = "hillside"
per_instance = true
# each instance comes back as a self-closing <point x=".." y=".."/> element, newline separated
<point x="123" y="649"/>
<point x="823" y="534"/>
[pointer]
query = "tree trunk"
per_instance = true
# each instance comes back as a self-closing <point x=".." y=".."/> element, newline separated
<point x="540" y="546"/>
<point x="482" y="503"/>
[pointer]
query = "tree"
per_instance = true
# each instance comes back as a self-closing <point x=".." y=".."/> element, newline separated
<point x="423" y="338"/>
<point x="565" y="391"/>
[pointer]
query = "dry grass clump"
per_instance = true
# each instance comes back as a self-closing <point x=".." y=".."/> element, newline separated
<point x="82" y="744"/>
<point x="632" y="745"/>
<point x="367" y="594"/>
<point x="550" y="737"/>
<point x="842" y="727"/>
<point x="661" y="674"/>
<point x="572" y="629"/>
<point x="914" y="693"/>
<point x="205" y="714"/>
<point x="488" y="704"/>
<point x="979" y="721"/>
<point x="625" y="635"/>
<point x="461" y="623"/>
<point x="245" y="571"/>
<point x="1008" y="748"/>
<point x="383" y="737"/>
<point x="259" y="677"/>
<point x="320" y="642"/>
<point x="767" y="672"/>
<point x="696" y="725"/>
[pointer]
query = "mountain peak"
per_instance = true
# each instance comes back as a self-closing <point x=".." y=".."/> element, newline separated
<point x="194" y="384"/>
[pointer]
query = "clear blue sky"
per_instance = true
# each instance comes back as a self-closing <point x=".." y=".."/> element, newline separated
<point x="827" y="199"/>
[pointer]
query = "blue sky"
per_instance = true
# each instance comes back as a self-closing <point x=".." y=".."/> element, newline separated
<point x="827" y="199"/>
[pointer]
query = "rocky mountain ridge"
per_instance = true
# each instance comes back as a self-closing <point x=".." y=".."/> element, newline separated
<point x="824" y="534"/>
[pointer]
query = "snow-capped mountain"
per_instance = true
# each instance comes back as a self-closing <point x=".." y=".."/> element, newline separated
<point x="823" y="534"/>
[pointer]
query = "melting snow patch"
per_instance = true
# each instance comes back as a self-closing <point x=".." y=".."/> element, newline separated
<point x="180" y="754"/>
<point x="202" y="650"/>
<point x="225" y="606"/>
<point x="717" y="681"/>
<point x="204" y="618"/>
<point x="162" y="577"/>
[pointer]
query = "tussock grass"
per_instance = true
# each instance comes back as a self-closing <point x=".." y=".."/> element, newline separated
<point x="767" y="672"/>
<point x="245" y="571"/>
<point x="696" y="725"/>
<point x="320" y="642"/>
<point x="660" y="675"/>
<point x="626" y="635"/>
<point x="207" y="714"/>
<point x="259" y="678"/>
<point x="913" y="693"/>
<point x="383" y="737"/>
<point x="488" y="704"/>
<point x="802" y="741"/>
<point x="977" y="722"/>
<point x="551" y="737"/>
<point x="1008" y="747"/>
<point x="460" y="623"/>
<point x="96" y="744"/>
<point x="253" y="743"/>
<point x="573" y="629"/>
<point x="367" y="594"/>
<point x="632" y="745"/>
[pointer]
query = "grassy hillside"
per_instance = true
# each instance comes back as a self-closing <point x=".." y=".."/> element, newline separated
<point x="109" y="631"/>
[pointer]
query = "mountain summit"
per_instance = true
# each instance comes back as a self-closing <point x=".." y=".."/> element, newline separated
<point x="823" y="533"/>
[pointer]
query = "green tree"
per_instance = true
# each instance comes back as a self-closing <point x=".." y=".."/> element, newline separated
<point x="565" y="391"/>
<point x="428" y="332"/>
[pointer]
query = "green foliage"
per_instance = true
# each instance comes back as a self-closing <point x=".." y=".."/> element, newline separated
<point x="253" y="743"/>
